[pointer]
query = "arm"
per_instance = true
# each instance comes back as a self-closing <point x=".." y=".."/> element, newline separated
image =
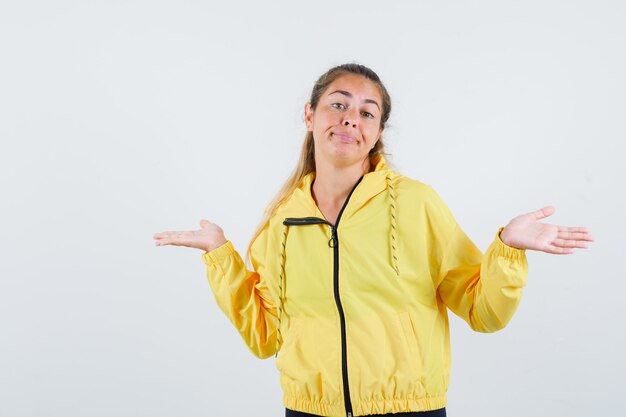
<point x="482" y="289"/>
<point x="243" y="295"/>
<point x="485" y="289"/>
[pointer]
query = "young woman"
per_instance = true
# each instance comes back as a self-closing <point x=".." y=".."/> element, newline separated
<point x="354" y="267"/>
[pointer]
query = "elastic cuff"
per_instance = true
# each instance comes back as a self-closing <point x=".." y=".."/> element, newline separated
<point x="219" y="253"/>
<point x="502" y="249"/>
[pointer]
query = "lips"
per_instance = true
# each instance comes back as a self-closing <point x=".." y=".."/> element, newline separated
<point x="344" y="137"/>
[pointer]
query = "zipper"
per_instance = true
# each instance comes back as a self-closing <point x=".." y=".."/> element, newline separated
<point x="334" y="243"/>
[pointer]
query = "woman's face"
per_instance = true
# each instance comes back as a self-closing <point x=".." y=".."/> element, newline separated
<point x="346" y="122"/>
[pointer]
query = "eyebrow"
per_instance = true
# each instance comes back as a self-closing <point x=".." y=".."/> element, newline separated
<point x="348" y="94"/>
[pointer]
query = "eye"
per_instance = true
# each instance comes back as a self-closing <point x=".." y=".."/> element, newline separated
<point x="338" y="106"/>
<point x="368" y="115"/>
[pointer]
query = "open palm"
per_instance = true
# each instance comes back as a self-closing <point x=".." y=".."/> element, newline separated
<point x="209" y="237"/>
<point x="525" y="232"/>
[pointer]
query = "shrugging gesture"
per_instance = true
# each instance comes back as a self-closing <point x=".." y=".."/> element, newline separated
<point x="525" y="232"/>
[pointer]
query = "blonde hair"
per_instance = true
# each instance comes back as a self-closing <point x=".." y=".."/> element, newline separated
<point x="306" y="163"/>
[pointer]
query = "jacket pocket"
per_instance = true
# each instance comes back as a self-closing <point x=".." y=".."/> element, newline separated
<point x="410" y="337"/>
<point x="290" y="336"/>
<point x="310" y="361"/>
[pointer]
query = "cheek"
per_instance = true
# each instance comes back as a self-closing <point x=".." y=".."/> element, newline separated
<point x="322" y="124"/>
<point x="371" y="132"/>
<point x="330" y="118"/>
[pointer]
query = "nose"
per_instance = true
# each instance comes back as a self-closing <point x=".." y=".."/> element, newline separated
<point x="350" y="118"/>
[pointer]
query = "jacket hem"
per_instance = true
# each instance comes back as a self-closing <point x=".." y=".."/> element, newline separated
<point x="311" y="407"/>
<point x="364" y="408"/>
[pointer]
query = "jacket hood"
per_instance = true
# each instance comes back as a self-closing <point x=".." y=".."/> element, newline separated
<point x="302" y="204"/>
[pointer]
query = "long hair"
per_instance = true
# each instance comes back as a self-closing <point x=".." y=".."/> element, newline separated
<point x="306" y="163"/>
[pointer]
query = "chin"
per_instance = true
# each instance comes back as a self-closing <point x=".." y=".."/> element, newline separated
<point x="345" y="154"/>
<point x="348" y="150"/>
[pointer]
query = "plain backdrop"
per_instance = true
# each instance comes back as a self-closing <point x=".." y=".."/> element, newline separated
<point x="120" y="119"/>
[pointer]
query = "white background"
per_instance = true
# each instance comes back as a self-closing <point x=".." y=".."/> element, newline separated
<point x="120" y="119"/>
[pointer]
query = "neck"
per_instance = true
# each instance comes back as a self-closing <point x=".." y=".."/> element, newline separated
<point x="333" y="183"/>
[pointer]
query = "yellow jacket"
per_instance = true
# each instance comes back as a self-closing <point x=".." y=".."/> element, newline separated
<point x="357" y="314"/>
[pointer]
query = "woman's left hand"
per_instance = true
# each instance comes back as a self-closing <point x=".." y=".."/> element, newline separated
<point x="525" y="232"/>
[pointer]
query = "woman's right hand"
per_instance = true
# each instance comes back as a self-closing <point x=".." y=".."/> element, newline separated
<point x="209" y="237"/>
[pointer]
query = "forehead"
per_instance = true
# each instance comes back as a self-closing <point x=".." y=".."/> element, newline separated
<point x="359" y="86"/>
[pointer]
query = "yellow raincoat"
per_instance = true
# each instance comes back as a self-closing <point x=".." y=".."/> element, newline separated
<point x="357" y="314"/>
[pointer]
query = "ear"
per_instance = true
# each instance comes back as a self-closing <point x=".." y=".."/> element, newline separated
<point x="308" y="117"/>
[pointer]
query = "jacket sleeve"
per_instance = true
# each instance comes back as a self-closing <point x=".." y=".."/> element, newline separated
<point x="482" y="289"/>
<point x="243" y="295"/>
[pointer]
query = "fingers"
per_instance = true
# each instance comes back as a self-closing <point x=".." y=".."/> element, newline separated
<point x="557" y="250"/>
<point x="575" y="233"/>
<point x="562" y="243"/>
<point x="170" y="238"/>
<point x="569" y="239"/>
<point x="544" y="212"/>
<point x="179" y="238"/>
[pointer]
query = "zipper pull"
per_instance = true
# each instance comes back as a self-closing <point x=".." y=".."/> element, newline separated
<point x="333" y="242"/>
<point x="349" y="413"/>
